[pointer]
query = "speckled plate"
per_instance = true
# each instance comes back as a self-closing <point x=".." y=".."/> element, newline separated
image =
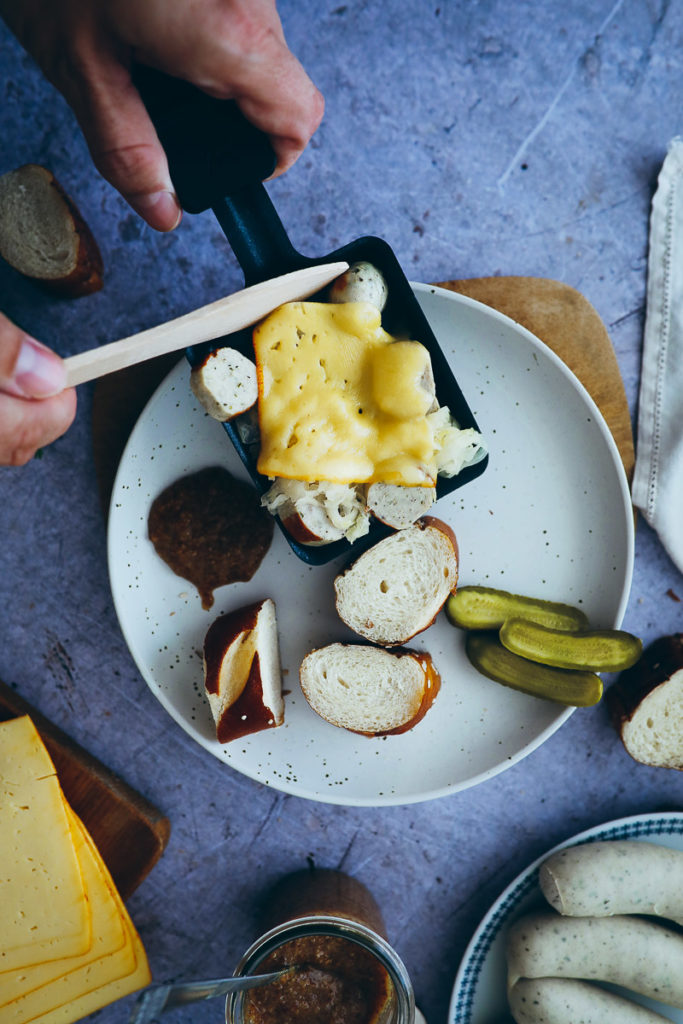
<point x="551" y="516"/>
<point x="479" y="990"/>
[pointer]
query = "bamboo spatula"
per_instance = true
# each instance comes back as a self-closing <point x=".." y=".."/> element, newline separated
<point x="219" y="318"/>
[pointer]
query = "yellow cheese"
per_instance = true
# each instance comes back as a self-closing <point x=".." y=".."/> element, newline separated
<point x="43" y="908"/>
<point x="115" y="966"/>
<point x="109" y="992"/>
<point x="108" y="930"/>
<point x="340" y="399"/>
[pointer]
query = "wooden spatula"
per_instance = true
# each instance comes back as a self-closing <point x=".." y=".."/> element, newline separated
<point x="219" y="318"/>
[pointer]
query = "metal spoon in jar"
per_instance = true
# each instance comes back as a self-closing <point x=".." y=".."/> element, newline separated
<point x="157" y="999"/>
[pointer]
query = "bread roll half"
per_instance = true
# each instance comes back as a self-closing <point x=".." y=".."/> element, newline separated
<point x="367" y="689"/>
<point x="646" y="704"/>
<point x="397" y="588"/>
<point x="44" y="236"/>
<point x="242" y="675"/>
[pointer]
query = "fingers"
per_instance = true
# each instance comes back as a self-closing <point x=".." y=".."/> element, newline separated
<point x="27" y="424"/>
<point x="237" y="50"/>
<point x="286" y="105"/>
<point x="34" y="408"/>
<point x="27" y="368"/>
<point x="123" y="143"/>
<point x="271" y="89"/>
<point x="232" y="49"/>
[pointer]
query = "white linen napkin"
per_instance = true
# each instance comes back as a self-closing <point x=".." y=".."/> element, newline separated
<point x="657" y="488"/>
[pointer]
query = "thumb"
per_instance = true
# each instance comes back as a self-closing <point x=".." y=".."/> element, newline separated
<point x="124" y="144"/>
<point x="27" y="368"/>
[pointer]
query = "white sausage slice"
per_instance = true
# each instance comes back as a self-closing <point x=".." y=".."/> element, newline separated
<point x="615" y="877"/>
<point x="566" y="1001"/>
<point x="628" y="951"/>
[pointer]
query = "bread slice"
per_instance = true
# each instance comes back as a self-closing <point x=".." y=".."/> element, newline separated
<point x="398" y="506"/>
<point x="368" y="690"/>
<point x="646" y="704"/>
<point x="397" y="588"/>
<point x="225" y="383"/>
<point x="242" y="675"/>
<point x="43" y="235"/>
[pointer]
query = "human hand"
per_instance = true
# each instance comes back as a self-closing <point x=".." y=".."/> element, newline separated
<point x="34" y="408"/>
<point x="232" y="49"/>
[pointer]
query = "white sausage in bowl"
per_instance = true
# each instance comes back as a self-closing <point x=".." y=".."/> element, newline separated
<point x="634" y="953"/>
<point x="615" y="877"/>
<point x="566" y="1001"/>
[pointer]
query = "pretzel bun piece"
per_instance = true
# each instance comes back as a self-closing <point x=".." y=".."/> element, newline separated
<point x="369" y="690"/>
<point x="242" y="674"/>
<point x="397" y="588"/>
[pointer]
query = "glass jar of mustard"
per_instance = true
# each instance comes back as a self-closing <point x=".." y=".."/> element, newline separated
<point x="329" y="925"/>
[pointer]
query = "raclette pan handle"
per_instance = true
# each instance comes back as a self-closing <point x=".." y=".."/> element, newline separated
<point x="218" y="160"/>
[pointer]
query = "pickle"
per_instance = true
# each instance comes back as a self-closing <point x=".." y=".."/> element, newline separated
<point x="486" y="608"/>
<point x="607" y="650"/>
<point x="488" y="656"/>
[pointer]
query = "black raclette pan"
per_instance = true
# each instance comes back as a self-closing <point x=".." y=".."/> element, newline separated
<point x="219" y="161"/>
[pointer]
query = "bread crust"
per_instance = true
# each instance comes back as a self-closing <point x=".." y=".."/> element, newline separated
<point x="658" y="663"/>
<point x="220" y="635"/>
<point x="429" y="694"/>
<point x="242" y="671"/>
<point x="87" y="274"/>
<point x="439" y="524"/>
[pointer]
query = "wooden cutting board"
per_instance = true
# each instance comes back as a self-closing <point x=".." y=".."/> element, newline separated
<point x="557" y="314"/>
<point x="130" y="833"/>
<point x="565" y="320"/>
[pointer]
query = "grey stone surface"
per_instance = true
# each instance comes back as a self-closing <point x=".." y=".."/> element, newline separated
<point x="478" y="138"/>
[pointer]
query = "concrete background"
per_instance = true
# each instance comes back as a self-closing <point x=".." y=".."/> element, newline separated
<point x="477" y="138"/>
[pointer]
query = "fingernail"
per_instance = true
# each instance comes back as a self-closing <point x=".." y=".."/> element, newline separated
<point x="161" y="209"/>
<point x="38" y="372"/>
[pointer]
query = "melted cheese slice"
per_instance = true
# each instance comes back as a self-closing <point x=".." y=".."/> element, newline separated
<point x="340" y="399"/>
<point x="43" y="906"/>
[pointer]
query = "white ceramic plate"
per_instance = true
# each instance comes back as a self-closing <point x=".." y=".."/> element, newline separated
<point x="479" y="991"/>
<point x="551" y="516"/>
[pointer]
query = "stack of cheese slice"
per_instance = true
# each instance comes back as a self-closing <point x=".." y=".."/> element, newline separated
<point x="67" y="944"/>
